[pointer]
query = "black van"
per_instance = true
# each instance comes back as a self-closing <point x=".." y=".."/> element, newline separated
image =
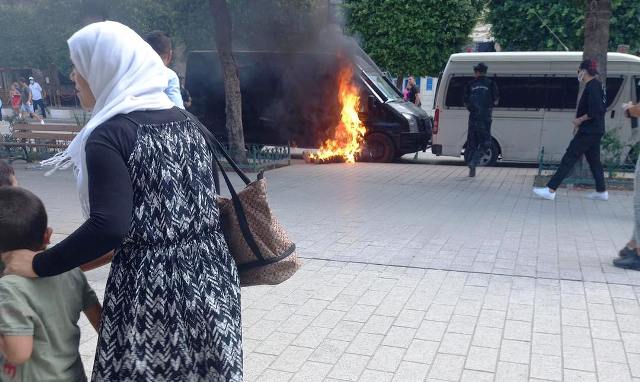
<point x="292" y="98"/>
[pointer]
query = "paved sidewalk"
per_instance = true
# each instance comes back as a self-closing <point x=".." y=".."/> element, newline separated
<point x="418" y="273"/>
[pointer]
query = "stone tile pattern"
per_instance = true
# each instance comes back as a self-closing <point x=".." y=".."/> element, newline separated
<point x="416" y="273"/>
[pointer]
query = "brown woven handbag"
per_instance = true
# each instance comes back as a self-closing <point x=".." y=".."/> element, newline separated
<point x="260" y="246"/>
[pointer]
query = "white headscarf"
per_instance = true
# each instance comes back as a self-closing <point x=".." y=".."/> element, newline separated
<point x="124" y="73"/>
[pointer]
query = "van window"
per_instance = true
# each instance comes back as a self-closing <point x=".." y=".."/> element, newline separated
<point x="455" y="91"/>
<point x="556" y="93"/>
<point x="521" y="92"/>
<point x="562" y="93"/>
<point x="613" y="87"/>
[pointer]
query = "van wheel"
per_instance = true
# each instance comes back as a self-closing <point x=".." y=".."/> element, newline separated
<point x="490" y="158"/>
<point x="379" y="148"/>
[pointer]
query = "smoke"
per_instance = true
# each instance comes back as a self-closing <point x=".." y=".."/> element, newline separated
<point x="302" y="106"/>
<point x="289" y="54"/>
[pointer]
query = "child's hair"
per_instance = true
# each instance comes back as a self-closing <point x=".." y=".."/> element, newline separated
<point x="7" y="174"/>
<point x="159" y="41"/>
<point x="23" y="220"/>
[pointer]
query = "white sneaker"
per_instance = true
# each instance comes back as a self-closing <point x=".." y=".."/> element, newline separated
<point x="42" y="121"/>
<point x="604" y="196"/>
<point x="544" y="193"/>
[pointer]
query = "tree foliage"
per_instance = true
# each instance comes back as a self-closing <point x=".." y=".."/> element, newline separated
<point x="409" y="36"/>
<point x="516" y="26"/>
<point x="35" y="35"/>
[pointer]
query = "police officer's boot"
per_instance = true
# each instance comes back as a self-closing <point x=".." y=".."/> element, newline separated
<point x="472" y="171"/>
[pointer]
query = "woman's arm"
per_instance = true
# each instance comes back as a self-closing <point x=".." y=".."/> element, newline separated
<point x="111" y="205"/>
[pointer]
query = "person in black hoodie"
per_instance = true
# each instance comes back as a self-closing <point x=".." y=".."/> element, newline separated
<point x="588" y="133"/>
<point x="480" y="96"/>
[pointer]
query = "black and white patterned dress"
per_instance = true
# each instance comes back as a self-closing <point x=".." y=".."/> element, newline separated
<point x="172" y="300"/>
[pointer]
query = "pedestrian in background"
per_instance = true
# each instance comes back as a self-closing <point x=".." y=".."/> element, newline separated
<point x="588" y="130"/>
<point x="628" y="256"/>
<point x="413" y="92"/>
<point x="161" y="43"/>
<point x="27" y="101"/>
<point x="14" y="93"/>
<point x="480" y="96"/>
<point x="36" y="95"/>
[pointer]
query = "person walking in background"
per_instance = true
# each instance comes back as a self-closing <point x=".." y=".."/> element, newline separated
<point x="413" y="92"/>
<point x="14" y="93"/>
<point x="36" y="95"/>
<point x="480" y="96"/>
<point x="161" y="43"/>
<point x="27" y="101"/>
<point x="137" y="155"/>
<point x="588" y="130"/>
<point x="628" y="256"/>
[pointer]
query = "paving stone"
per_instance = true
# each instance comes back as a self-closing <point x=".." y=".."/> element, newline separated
<point x="512" y="372"/>
<point x="421" y="351"/>
<point x="447" y="367"/>
<point x="454" y="343"/>
<point x="411" y="372"/>
<point x="387" y="359"/>
<point x="349" y="367"/>
<point x="312" y="372"/>
<point x="515" y="351"/>
<point x="482" y="359"/>
<point x="547" y="367"/>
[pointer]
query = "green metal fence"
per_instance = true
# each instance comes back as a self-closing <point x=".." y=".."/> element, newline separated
<point x="262" y="157"/>
<point x="615" y="171"/>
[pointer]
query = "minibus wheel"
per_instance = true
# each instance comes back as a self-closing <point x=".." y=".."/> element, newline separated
<point x="379" y="148"/>
<point x="490" y="158"/>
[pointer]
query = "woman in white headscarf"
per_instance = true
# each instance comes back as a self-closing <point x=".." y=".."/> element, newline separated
<point x="172" y="301"/>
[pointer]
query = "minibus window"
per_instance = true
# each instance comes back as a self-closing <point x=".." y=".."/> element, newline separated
<point x="562" y="93"/>
<point x="613" y="87"/>
<point x="455" y="91"/>
<point x="521" y="92"/>
<point x="636" y="80"/>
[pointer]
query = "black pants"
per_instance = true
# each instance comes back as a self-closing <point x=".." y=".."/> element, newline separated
<point x="478" y="139"/>
<point x="582" y="144"/>
<point x="40" y="103"/>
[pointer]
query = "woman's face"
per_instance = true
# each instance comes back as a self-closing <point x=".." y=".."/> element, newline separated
<point x="87" y="99"/>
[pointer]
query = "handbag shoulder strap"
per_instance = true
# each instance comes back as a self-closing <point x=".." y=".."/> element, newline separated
<point x="213" y="143"/>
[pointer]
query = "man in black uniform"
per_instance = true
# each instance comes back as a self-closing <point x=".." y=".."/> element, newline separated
<point x="588" y="129"/>
<point x="480" y="96"/>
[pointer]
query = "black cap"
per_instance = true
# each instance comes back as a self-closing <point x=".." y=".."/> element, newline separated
<point x="480" y="68"/>
<point x="590" y="65"/>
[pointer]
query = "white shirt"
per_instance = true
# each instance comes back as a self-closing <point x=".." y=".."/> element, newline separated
<point x="36" y="91"/>
<point x="173" y="89"/>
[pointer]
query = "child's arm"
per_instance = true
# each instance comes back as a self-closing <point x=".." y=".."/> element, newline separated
<point x="16" y="349"/>
<point x="97" y="263"/>
<point x="94" y="313"/>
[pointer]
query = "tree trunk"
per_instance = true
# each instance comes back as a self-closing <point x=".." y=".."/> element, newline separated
<point x="233" y="98"/>
<point x="596" y="47"/>
<point x="399" y="81"/>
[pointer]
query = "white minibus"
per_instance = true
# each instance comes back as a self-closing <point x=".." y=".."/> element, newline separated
<point x="538" y="96"/>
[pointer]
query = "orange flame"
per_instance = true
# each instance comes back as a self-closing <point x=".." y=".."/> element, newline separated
<point x="349" y="134"/>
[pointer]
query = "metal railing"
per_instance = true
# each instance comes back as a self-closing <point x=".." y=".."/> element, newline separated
<point x="616" y="171"/>
<point x="262" y="157"/>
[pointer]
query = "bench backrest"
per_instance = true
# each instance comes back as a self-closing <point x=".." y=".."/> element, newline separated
<point x="50" y="131"/>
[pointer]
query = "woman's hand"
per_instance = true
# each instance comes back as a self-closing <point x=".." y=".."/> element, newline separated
<point x="19" y="262"/>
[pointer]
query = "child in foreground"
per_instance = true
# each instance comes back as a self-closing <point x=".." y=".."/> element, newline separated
<point x="7" y="175"/>
<point x="39" y="333"/>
